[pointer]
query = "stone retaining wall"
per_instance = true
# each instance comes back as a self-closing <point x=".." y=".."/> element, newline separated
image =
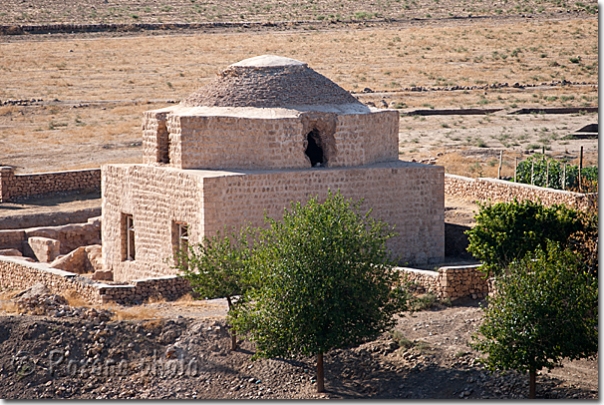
<point x="485" y="189"/>
<point x="450" y="282"/>
<point x="19" y="187"/>
<point x="18" y="274"/>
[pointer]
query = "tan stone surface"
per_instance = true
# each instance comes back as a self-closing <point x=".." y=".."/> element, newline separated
<point x="17" y="274"/>
<point x="10" y="252"/>
<point x="406" y="195"/>
<point x="14" y="187"/>
<point x="494" y="190"/>
<point x="44" y="249"/>
<point x="74" y="261"/>
<point x="94" y="255"/>
<point x="103" y="275"/>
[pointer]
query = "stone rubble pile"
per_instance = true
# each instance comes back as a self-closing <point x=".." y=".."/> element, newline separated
<point x="38" y="300"/>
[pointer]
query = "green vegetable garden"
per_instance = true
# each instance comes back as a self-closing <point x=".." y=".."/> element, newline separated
<point x="543" y="171"/>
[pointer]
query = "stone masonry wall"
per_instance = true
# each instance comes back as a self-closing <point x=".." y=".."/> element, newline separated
<point x="406" y="195"/>
<point x="267" y="142"/>
<point x="18" y="187"/>
<point x="366" y="138"/>
<point x="156" y="198"/>
<point x="240" y="143"/>
<point x="450" y="282"/>
<point x="485" y="189"/>
<point x="17" y="274"/>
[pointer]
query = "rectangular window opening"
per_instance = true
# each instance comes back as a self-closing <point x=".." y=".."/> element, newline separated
<point x="129" y="251"/>
<point x="180" y="239"/>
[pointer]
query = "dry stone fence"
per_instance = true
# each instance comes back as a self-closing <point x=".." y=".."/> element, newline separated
<point x="487" y="189"/>
<point x="14" y="187"/>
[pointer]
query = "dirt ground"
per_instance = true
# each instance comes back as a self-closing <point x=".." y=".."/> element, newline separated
<point x="180" y="350"/>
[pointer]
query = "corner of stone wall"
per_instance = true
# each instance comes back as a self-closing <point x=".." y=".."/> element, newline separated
<point x="7" y="179"/>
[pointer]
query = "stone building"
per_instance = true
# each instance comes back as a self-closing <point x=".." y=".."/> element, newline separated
<point x="266" y="131"/>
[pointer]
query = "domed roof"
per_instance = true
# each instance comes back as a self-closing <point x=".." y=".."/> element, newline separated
<point x="269" y="81"/>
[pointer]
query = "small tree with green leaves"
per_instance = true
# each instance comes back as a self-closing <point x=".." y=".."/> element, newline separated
<point x="325" y="280"/>
<point x="545" y="310"/>
<point x="217" y="268"/>
<point x="506" y="231"/>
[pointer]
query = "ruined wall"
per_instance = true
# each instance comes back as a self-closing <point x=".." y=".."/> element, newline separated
<point x="71" y="236"/>
<point x="406" y="195"/>
<point x="17" y="274"/>
<point x="155" y="197"/>
<point x="485" y="189"/>
<point x="450" y="282"/>
<point x="17" y="187"/>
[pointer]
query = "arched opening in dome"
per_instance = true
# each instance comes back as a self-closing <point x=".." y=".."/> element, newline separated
<point x="314" y="151"/>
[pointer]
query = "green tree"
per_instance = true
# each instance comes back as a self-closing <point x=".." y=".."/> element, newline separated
<point x="545" y="310"/>
<point x="507" y="231"/>
<point x="325" y="280"/>
<point x="217" y="268"/>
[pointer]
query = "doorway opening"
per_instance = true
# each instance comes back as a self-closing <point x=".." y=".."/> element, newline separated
<point x="314" y="151"/>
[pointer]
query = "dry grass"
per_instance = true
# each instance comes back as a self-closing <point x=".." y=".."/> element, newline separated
<point x="172" y="11"/>
<point x="122" y="77"/>
<point x="132" y="313"/>
<point x="147" y="68"/>
<point x="75" y="300"/>
<point x="7" y="305"/>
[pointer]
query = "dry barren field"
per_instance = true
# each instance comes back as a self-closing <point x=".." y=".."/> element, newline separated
<point x="94" y="87"/>
<point x="177" y="11"/>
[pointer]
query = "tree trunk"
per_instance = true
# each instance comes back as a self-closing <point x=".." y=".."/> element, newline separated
<point x="532" y="383"/>
<point x="320" y="374"/>
<point x="233" y="334"/>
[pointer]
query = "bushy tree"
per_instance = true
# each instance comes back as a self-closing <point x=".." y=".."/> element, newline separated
<point x="324" y="280"/>
<point x="545" y="310"/>
<point x="217" y="268"/>
<point x="507" y="231"/>
<point x="584" y="242"/>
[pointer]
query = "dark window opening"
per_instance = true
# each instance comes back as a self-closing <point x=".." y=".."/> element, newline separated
<point x="163" y="143"/>
<point x="128" y="250"/>
<point x="314" y="150"/>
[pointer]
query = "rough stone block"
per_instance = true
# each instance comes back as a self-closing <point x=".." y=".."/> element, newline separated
<point x="44" y="249"/>
<point x="74" y="261"/>
<point x="94" y="255"/>
<point x="10" y="252"/>
<point x="103" y="275"/>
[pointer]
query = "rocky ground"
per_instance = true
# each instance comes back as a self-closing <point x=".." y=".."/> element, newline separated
<point x="181" y="350"/>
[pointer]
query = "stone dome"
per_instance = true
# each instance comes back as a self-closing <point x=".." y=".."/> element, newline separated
<point x="269" y="81"/>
